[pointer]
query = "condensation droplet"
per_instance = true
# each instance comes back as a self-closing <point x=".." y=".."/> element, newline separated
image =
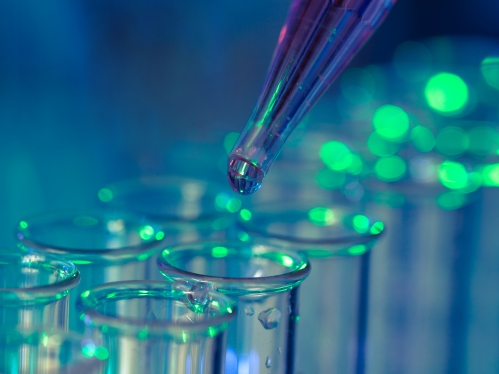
<point x="270" y="318"/>
<point x="199" y="294"/>
<point x="268" y="362"/>
<point x="249" y="311"/>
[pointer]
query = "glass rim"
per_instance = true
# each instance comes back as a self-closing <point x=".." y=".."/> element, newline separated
<point x="90" y="299"/>
<point x="252" y="228"/>
<point x="17" y="296"/>
<point x="132" y="185"/>
<point x="128" y="252"/>
<point x="245" y="285"/>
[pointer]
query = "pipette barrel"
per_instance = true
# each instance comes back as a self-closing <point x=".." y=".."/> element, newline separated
<point x="317" y="41"/>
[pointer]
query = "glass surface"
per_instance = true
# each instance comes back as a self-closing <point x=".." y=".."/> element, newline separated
<point x="43" y="352"/>
<point x="337" y="238"/>
<point x="317" y="41"/>
<point x="159" y="327"/>
<point x="106" y="245"/>
<point x="34" y="289"/>
<point x="264" y="279"/>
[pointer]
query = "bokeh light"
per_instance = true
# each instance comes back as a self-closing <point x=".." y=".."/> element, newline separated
<point x="483" y="141"/>
<point x="446" y="93"/>
<point x="490" y="175"/>
<point x="422" y="138"/>
<point x="453" y="175"/>
<point x="380" y="146"/>
<point x="451" y="141"/>
<point x="330" y="179"/>
<point x="490" y="71"/>
<point x="390" y="121"/>
<point x="321" y="216"/>
<point x="336" y="155"/>
<point x="390" y="169"/>
<point x="451" y="200"/>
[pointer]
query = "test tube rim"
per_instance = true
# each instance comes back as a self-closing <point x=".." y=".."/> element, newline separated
<point x="246" y="286"/>
<point x="121" y="254"/>
<point x="133" y="326"/>
<point x="40" y="294"/>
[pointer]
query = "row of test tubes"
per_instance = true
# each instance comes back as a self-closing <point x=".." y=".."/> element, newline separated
<point x="172" y="275"/>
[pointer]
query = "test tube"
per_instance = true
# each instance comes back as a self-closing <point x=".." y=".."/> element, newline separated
<point x="264" y="279"/>
<point x="106" y="245"/>
<point x="43" y="352"/>
<point x="333" y="300"/>
<point x="34" y="290"/>
<point x="158" y="327"/>
<point x="317" y="41"/>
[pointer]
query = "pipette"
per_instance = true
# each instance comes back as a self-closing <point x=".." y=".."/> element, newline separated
<point x="317" y="41"/>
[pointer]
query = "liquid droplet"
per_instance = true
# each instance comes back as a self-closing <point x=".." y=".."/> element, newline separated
<point x="199" y="295"/>
<point x="244" y="177"/>
<point x="268" y="362"/>
<point x="249" y="311"/>
<point x="270" y="318"/>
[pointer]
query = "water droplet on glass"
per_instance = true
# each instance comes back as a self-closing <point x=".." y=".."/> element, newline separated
<point x="249" y="311"/>
<point x="182" y="285"/>
<point x="268" y="362"/>
<point x="270" y="318"/>
<point x="199" y="294"/>
<point x="244" y="177"/>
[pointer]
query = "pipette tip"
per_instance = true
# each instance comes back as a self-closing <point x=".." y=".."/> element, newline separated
<point x="244" y="177"/>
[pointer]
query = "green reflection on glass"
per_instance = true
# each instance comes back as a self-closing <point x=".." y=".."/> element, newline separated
<point x="377" y="227"/>
<point x="233" y="205"/>
<point x="244" y="237"/>
<point x="451" y="200"/>
<point x="453" y="175"/>
<point x="245" y="214"/>
<point x="321" y="216"/>
<point x="330" y="179"/>
<point x="23" y="224"/>
<point x="360" y="223"/>
<point x="219" y="252"/>
<point x="336" y="155"/>
<point x="391" y="122"/>
<point x="85" y="221"/>
<point x="105" y="195"/>
<point x="85" y="294"/>
<point x="380" y="146"/>
<point x="390" y="169"/>
<point x="446" y="93"/>
<point x="412" y="61"/>
<point x="451" y="141"/>
<point x="357" y="250"/>
<point x="287" y="261"/>
<point x="160" y="235"/>
<point x="81" y="262"/>
<point x="483" y="141"/>
<point x="490" y="175"/>
<point x="146" y="232"/>
<point x="422" y="138"/>
<point x="490" y="71"/>
<point x="229" y="141"/>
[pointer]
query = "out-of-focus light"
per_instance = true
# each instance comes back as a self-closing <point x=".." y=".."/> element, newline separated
<point x="336" y="155"/>
<point x="490" y="71"/>
<point x="451" y="200"/>
<point x="451" y="141"/>
<point x="412" y="61"/>
<point x="380" y="146"/>
<point x="330" y="179"/>
<point x="446" y="93"/>
<point x="245" y="214"/>
<point x="422" y="138"/>
<point x="490" y="175"/>
<point x="453" y="175"/>
<point x="360" y="223"/>
<point x="390" y="169"/>
<point x="483" y="141"/>
<point x="105" y="195"/>
<point x="356" y="165"/>
<point x="229" y="141"/>
<point x="391" y="122"/>
<point x="321" y="216"/>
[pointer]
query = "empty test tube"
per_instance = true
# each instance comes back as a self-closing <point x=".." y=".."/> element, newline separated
<point x="317" y="41"/>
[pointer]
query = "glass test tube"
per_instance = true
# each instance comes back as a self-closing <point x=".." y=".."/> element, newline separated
<point x="194" y="209"/>
<point x="34" y="290"/>
<point x="333" y="300"/>
<point x="158" y="327"/>
<point x="42" y="352"/>
<point x="106" y="245"/>
<point x="317" y="41"/>
<point x="264" y="279"/>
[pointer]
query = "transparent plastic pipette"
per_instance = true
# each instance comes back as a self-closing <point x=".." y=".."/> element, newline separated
<point x="317" y="41"/>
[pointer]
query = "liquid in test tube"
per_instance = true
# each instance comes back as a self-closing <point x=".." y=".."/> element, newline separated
<point x="317" y="41"/>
